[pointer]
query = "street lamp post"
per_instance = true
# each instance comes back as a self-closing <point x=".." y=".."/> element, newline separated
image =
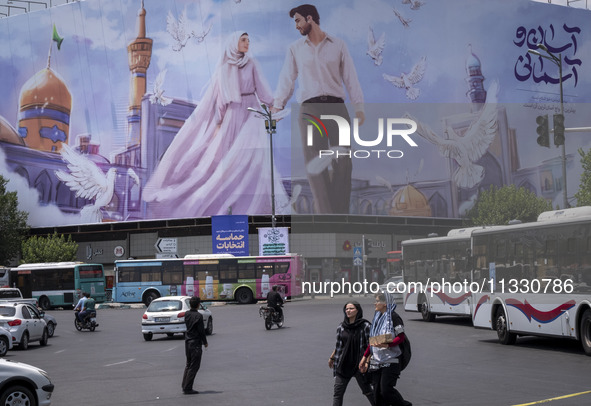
<point x="271" y="127"/>
<point x="557" y="60"/>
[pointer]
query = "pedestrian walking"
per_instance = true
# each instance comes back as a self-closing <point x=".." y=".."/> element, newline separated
<point x="352" y="340"/>
<point x="384" y="353"/>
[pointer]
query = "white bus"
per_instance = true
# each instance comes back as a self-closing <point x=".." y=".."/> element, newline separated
<point x="539" y="277"/>
<point x="435" y="270"/>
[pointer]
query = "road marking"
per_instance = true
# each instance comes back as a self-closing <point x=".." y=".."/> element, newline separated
<point x="572" y="395"/>
<point x="172" y="348"/>
<point x="119" y="363"/>
<point x="57" y="352"/>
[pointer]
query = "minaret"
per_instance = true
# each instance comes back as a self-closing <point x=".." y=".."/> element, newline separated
<point x="473" y="69"/>
<point x="140" y="53"/>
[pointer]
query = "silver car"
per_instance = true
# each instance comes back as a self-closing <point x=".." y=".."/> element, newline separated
<point x="166" y="315"/>
<point x="23" y="384"/>
<point x="24" y="323"/>
<point x="49" y="320"/>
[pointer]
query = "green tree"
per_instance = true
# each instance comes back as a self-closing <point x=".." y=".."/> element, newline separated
<point x="13" y="224"/>
<point x="583" y="195"/>
<point x="498" y="206"/>
<point x="54" y="248"/>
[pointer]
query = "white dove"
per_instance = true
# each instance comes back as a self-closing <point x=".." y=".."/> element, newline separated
<point x="178" y="30"/>
<point x="157" y="95"/>
<point x="405" y="21"/>
<point x="201" y="37"/>
<point x="88" y="181"/>
<point x="382" y="181"/>
<point x="414" y="4"/>
<point x="470" y="147"/>
<point x="375" y="48"/>
<point x="407" y="80"/>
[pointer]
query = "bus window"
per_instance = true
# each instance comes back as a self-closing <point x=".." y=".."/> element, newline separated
<point x="281" y="268"/>
<point x="246" y="271"/>
<point x="150" y="274"/>
<point x="129" y="275"/>
<point x="172" y="274"/>
<point x="229" y="273"/>
<point x="264" y="269"/>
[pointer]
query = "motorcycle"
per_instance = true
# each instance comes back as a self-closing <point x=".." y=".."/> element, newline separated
<point x="89" y="322"/>
<point x="271" y="317"/>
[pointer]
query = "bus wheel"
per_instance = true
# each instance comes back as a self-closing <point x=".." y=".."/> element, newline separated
<point x="148" y="297"/>
<point x="243" y="296"/>
<point x="505" y="337"/>
<point x="44" y="303"/>
<point x="585" y="328"/>
<point x="427" y="315"/>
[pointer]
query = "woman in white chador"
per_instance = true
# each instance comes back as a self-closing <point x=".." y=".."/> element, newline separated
<point x="219" y="160"/>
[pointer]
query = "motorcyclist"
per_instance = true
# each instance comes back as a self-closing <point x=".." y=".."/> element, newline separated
<point x="80" y="306"/>
<point x="274" y="301"/>
<point x="87" y="307"/>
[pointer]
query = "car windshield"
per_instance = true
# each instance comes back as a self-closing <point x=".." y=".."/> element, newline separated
<point x="7" y="311"/>
<point x="165" y="306"/>
<point x="9" y="294"/>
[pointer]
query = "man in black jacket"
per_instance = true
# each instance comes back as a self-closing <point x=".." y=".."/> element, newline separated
<point x="194" y="339"/>
<point x="275" y="301"/>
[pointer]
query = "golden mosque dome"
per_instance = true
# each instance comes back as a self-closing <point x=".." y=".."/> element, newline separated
<point x="44" y="111"/>
<point x="409" y="201"/>
<point x="8" y="134"/>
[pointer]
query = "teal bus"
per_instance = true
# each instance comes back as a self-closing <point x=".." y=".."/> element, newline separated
<point x="58" y="284"/>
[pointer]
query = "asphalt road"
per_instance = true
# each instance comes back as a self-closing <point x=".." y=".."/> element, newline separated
<point x="452" y="364"/>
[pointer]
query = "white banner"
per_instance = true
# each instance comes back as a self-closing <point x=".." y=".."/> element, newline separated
<point x="273" y="241"/>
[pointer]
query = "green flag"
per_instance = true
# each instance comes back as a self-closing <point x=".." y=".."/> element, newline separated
<point x="57" y="38"/>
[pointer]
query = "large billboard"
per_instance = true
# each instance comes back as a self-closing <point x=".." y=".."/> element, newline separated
<point x="129" y="110"/>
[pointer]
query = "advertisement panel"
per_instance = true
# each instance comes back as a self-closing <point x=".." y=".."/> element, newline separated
<point x="127" y="110"/>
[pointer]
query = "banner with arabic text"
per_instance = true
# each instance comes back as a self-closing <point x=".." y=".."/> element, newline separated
<point x="273" y="241"/>
<point x="229" y="235"/>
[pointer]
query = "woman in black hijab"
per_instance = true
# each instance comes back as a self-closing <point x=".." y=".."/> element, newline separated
<point x="352" y="340"/>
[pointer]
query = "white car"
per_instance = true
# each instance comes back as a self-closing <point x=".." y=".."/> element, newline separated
<point x="166" y="315"/>
<point x="25" y="324"/>
<point x="23" y="384"/>
<point x="5" y="341"/>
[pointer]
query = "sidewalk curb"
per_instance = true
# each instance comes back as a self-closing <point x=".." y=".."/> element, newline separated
<point x="121" y="306"/>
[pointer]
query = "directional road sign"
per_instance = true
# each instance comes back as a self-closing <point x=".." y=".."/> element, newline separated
<point x="167" y="245"/>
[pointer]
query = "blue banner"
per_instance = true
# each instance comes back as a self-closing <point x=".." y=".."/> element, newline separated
<point x="229" y="235"/>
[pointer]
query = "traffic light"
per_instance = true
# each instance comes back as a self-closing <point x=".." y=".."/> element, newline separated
<point x="367" y="247"/>
<point x="543" y="131"/>
<point x="558" y="129"/>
